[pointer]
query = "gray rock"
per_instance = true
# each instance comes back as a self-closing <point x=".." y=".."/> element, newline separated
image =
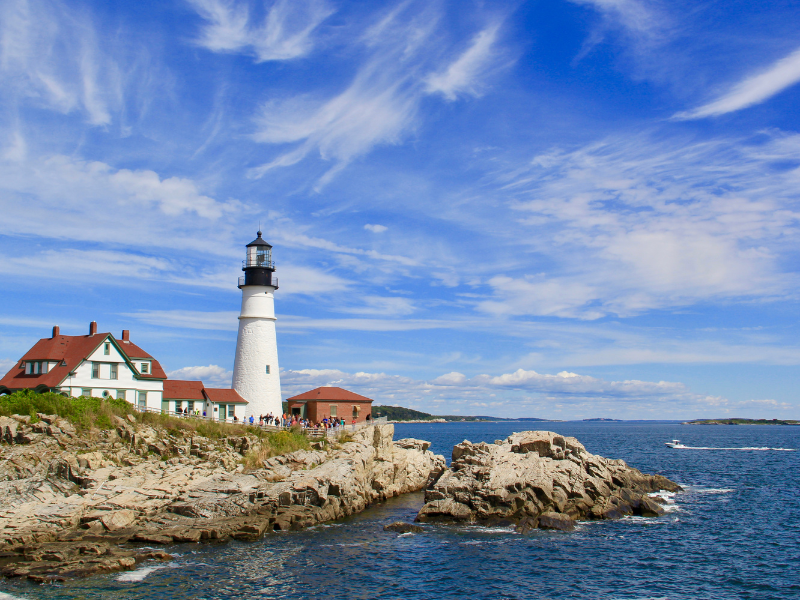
<point x="400" y="527"/>
<point x="537" y="479"/>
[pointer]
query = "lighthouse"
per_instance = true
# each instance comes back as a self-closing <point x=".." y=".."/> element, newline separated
<point x="255" y="370"/>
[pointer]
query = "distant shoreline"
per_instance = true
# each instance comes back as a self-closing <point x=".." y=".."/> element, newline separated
<point x="741" y="422"/>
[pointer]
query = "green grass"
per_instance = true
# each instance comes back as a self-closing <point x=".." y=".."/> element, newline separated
<point x="275" y="443"/>
<point x="89" y="412"/>
<point x="83" y="412"/>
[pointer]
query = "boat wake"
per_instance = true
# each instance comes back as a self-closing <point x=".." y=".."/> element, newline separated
<point x="763" y="449"/>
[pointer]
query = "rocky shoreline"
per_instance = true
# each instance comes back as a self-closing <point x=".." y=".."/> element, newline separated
<point x="539" y="479"/>
<point x="75" y="506"/>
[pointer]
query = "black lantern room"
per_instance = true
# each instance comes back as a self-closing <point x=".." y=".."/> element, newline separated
<point x="258" y="266"/>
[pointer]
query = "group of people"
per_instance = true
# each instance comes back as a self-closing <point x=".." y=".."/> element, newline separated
<point x="294" y="420"/>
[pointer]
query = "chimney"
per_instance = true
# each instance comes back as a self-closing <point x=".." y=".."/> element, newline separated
<point x="56" y="331"/>
<point x="126" y="335"/>
<point x="92" y="327"/>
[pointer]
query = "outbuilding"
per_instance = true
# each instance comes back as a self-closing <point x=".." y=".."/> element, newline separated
<point x="331" y="402"/>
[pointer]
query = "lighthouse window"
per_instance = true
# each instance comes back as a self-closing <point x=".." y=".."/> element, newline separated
<point x="267" y="369"/>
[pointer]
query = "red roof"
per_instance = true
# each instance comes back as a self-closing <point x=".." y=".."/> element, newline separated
<point x="73" y="349"/>
<point x="331" y="393"/>
<point x="224" y="396"/>
<point x="176" y="389"/>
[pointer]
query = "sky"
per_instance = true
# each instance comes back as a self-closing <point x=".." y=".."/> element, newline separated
<point x="561" y="209"/>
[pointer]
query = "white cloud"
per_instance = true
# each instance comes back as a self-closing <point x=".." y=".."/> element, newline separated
<point x="382" y="305"/>
<point x="637" y="16"/>
<point x="752" y="90"/>
<point x="49" y="56"/>
<point x="375" y="228"/>
<point x="512" y="394"/>
<point x="285" y="33"/>
<point x="66" y="199"/>
<point x="381" y="103"/>
<point x="211" y="375"/>
<point x="634" y="224"/>
<point x="465" y="73"/>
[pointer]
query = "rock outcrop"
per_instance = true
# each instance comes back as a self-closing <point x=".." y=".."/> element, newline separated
<point x="70" y="501"/>
<point x="538" y="479"/>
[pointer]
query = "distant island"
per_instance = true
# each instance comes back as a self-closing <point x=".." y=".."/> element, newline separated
<point x="601" y="419"/>
<point x="398" y="413"/>
<point x="741" y="422"/>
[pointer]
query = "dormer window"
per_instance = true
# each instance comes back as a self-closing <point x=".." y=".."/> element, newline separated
<point x="145" y="368"/>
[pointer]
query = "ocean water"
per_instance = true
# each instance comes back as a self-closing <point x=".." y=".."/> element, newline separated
<point x="734" y="533"/>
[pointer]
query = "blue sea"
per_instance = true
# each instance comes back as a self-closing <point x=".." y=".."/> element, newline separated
<point x="734" y="533"/>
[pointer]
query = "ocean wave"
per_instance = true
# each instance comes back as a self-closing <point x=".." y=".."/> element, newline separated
<point x="705" y="490"/>
<point x="140" y="574"/>
<point x="4" y="596"/>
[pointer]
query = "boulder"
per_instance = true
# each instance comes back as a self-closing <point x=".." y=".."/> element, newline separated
<point x="537" y="479"/>
<point x="400" y="527"/>
<point x="119" y="519"/>
<point x="552" y="520"/>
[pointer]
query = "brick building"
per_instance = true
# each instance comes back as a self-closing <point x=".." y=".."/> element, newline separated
<point x="331" y="402"/>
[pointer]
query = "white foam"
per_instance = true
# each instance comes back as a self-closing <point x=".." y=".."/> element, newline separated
<point x="140" y="574"/>
<point x="4" y="596"/>
<point x="761" y="449"/>
<point x="700" y="490"/>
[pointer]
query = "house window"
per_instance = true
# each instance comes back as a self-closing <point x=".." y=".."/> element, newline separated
<point x="45" y="367"/>
<point x="190" y="406"/>
<point x="142" y="400"/>
<point x="267" y="369"/>
<point x="28" y="368"/>
<point x="145" y="367"/>
<point x="107" y="348"/>
<point x="334" y="408"/>
<point x="86" y="392"/>
<point x="114" y="371"/>
<point x="120" y="394"/>
<point x="106" y="394"/>
<point x="95" y="370"/>
<point x="22" y="365"/>
<point x="36" y="368"/>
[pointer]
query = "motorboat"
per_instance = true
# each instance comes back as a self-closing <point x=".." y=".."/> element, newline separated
<point x="675" y="444"/>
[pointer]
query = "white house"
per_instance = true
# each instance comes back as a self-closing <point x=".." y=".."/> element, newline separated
<point x="194" y="398"/>
<point x="90" y="365"/>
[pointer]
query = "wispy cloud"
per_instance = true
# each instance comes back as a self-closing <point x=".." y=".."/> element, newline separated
<point x="405" y="62"/>
<point x="752" y="90"/>
<point x="375" y="228"/>
<point x="49" y="55"/>
<point x="642" y="224"/>
<point x="464" y="75"/>
<point x="637" y="16"/>
<point x="284" y="33"/>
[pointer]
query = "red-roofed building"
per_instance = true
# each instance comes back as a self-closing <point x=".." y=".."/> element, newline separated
<point x="89" y="365"/>
<point x="192" y="396"/>
<point x="330" y="402"/>
<point x="100" y="365"/>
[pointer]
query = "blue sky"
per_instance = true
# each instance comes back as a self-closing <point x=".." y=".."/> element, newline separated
<point x="562" y="209"/>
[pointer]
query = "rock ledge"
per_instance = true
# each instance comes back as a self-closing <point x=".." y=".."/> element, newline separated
<point x="538" y="479"/>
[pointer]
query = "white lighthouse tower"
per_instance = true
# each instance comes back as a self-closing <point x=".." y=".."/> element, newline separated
<point x="255" y="371"/>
